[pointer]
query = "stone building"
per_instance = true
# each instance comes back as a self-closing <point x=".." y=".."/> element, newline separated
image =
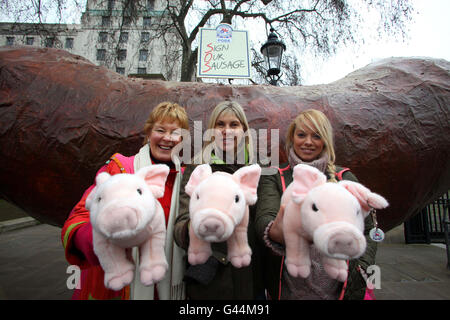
<point x="118" y="34"/>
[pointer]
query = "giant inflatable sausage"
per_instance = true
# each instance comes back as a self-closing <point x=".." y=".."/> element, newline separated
<point x="62" y="117"/>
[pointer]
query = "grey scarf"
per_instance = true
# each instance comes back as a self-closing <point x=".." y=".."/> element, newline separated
<point x="320" y="163"/>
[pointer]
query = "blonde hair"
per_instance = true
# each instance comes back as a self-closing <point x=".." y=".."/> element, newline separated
<point x="237" y="110"/>
<point x="166" y="111"/>
<point x="318" y="122"/>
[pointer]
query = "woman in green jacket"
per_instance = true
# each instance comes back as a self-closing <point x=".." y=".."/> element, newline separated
<point x="228" y="148"/>
<point x="309" y="141"/>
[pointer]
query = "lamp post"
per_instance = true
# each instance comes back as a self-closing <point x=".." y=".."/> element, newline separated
<point x="273" y="52"/>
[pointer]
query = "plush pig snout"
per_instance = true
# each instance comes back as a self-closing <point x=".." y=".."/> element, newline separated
<point x="343" y="243"/>
<point x="119" y="221"/>
<point x="212" y="225"/>
<point x="340" y="240"/>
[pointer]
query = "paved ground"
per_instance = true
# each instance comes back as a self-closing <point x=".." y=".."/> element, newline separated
<point x="32" y="266"/>
<point x="414" y="271"/>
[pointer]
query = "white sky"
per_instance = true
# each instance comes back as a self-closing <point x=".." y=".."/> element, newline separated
<point x="429" y="36"/>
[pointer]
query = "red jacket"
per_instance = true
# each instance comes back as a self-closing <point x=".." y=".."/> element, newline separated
<point x="92" y="275"/>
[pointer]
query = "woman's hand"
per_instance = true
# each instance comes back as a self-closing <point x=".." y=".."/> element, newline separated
<point x="276" y="230"/>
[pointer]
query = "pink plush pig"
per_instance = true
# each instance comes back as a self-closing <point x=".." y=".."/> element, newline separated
<point x="125" y="213"/>
<point x="219" y="212"/>
<point x="331" y="215"/>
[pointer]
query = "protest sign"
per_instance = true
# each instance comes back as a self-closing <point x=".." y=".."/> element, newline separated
<point x="223" y="53"/>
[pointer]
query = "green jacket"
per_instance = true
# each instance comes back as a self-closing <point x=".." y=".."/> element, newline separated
<point x="217" y="278"/>
<point x="270" y="191"/>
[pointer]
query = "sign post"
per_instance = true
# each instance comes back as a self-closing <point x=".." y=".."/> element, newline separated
<point x="223" y="53"/>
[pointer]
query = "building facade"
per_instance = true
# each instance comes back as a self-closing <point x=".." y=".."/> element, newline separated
<point x="121" y="35"/>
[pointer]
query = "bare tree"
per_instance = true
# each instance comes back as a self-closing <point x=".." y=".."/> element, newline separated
<point x="30" y="17"/>
<point x="125" y="17"/>
<point x="37" y="11"/>
<point x="317" y="25"/>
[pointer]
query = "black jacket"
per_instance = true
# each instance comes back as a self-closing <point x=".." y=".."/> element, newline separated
<point x="218" y="278"/>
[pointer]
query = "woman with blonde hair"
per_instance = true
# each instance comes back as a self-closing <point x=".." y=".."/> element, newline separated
<point x="228" y="148"/>
<point x="162" y="134"/>
<point x="227" y="137"/>
<point x="317" y="122"/>
<point x="309" y="141"/>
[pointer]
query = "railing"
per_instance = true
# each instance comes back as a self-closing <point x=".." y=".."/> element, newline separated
<point x="447" y="241"/>
<point x="429" y="225"/>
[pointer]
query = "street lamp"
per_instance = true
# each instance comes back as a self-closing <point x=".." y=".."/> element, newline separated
<point x="273" y="52"/>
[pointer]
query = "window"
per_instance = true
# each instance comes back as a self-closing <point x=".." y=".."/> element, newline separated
<point x="9" y="41"/>
<point x="110" y="5"/>
<point x="121" y="55"/>
<point x="143" y="55"/>
<point x="150" y="5"/>
<point x="103" y="37"/>
<point x="106" y="21"/>
<point x="123" y="38"/>
<point x="49" y="42"/>
<point x="29" y="41"/>
<point x="126" y="21"/>
<point x="147" y="21"/>
<point x="120" y="70"/>
<point x="101" y="54"/>
<point x="69" y="43"/>
<point x="142" y="70"/>
<point x="145" y="37"/>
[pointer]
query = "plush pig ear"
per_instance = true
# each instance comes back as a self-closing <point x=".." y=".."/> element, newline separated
<point x="200" y="173"/>
<point x="102" y="177"/>
<point x="99" y="179"/>
<point x="248" y="178"/>
<point x="155" y="177"/>
<point x="365" y="197"/>
<point x="305" y="178"/>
